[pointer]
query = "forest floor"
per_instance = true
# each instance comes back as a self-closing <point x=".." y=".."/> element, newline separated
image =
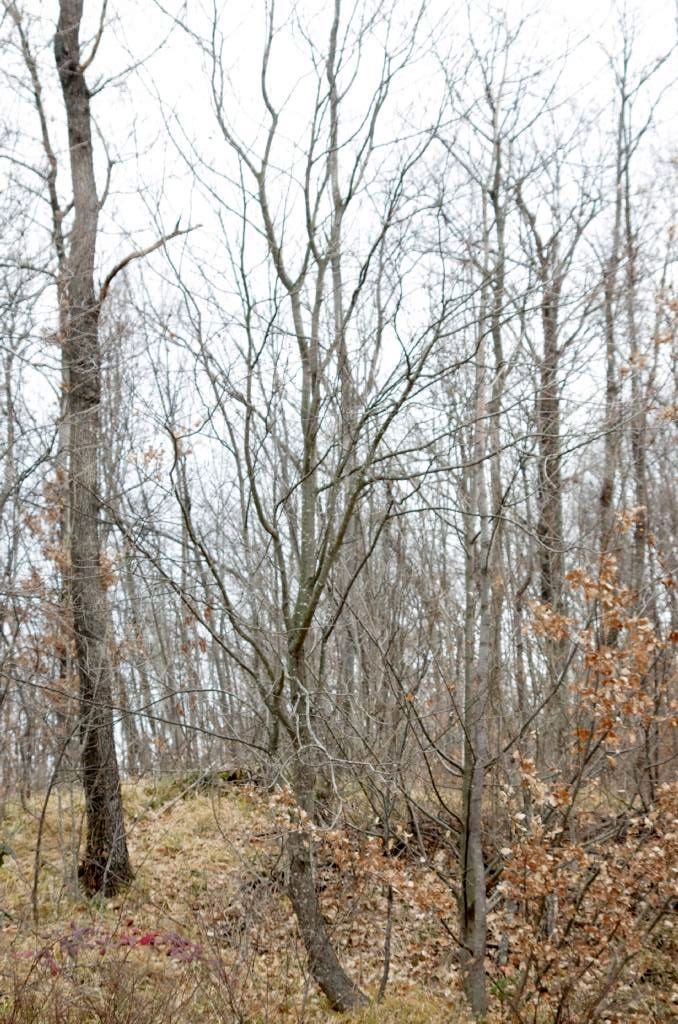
<point x="205" y="932"/>
<point x="206" y="935"/>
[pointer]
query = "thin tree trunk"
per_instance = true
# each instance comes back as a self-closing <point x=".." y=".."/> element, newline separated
<point x="550" y="520"/>
<point x="323" y="961"/>
<point x="472" y="898"/>
<point x="612" y="387"/>
<point x="106" y="864"/>
<point x="328" y="973"/>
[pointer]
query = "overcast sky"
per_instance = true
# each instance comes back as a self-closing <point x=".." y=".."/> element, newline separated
<point x="158" y="123"/>
<point x="166" y="100"/>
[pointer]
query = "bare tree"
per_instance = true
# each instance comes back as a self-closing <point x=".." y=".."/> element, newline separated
<point x="310" y="405"/>
<point x="106" y="864"/>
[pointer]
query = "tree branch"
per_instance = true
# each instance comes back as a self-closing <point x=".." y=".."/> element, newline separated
<point x="138" y="255"/>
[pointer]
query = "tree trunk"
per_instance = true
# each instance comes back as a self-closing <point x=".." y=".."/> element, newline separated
<point x="550" y="519"/>
<point x="323" y="961"/>
<point x="472" y="898"/>
<point x="106" y="863"/>
<point x="324" y="965"/>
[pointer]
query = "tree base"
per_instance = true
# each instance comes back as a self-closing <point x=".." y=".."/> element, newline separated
<point x="98" y="877"/>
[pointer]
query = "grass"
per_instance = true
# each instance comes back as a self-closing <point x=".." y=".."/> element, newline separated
<point x="204" y="933"/>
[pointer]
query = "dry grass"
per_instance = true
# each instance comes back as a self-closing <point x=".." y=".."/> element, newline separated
<point x="204" y="933"/>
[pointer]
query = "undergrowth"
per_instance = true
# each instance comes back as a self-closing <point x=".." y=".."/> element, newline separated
<point x="206" y="934"/>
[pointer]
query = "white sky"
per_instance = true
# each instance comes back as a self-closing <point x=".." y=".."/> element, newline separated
<point x="153" y="186"/>
<point x="170" y="87"/>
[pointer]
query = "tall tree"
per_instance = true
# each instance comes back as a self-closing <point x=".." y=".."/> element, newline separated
<point x="106" y="863"/>
<point x="323" y="344"/>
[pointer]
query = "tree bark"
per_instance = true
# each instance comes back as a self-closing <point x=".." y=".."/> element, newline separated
<point x="106" y="864"/>
<point x="323" y="961"/>
<point x="550" y="520"/>
<point x="326" y="969"/>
